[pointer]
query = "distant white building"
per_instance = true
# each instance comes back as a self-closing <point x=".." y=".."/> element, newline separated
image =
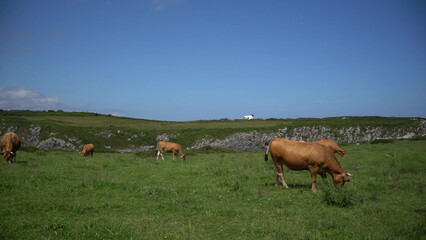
<point x="249" y="117"/>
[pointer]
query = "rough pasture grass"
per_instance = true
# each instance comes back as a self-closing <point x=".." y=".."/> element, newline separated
<point x="99" y="120"/>
<point x="59" y="195"/>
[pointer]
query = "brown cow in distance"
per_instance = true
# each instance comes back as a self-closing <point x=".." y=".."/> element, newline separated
<point x="169" y="147"/>
<point x="305" y="156"/>
<point x="332" y="145"/>
<point x="88" y="149"/>
<point x="10" y="143"/>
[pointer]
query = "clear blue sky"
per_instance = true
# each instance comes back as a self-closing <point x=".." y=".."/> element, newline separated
<point x="184" y="60"/>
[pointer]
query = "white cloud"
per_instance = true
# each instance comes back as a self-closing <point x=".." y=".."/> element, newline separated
<point x="27" y="99"/>
<point x="160" y="5"/>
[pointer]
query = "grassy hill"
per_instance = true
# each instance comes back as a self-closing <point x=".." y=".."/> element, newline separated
<point x="110" y="132"/>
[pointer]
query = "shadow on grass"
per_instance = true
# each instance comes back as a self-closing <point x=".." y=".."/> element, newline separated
<point x="20" y="162"/>
<point x="290" y="186"/>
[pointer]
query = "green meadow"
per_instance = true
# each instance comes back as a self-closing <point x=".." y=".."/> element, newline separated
<point x="212" y="195"/>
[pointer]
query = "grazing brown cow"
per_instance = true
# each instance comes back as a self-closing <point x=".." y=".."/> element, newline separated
<point x="332" y="145"/>
<point x="88" y="149"/>
<point x="305" y="156"/>
<point x="169" y="147"/>
<point x="10" y="143"/>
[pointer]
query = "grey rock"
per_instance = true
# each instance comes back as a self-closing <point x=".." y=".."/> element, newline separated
<point x="12" y="128"/>
<point x="165" y="137"/>
<point x="105" y="134"/>
<point x="32" y="139"/>
<point x="56" y="143"/>
<point x="256" y="141"/>
<point x="133" y="149"/>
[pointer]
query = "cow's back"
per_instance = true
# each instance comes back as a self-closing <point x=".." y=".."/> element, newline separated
<point x="167" y="146"/>
<point x="329" y="143"/>
<point x="161" y="145"/>
<point x="10" y="142"/>
<point x="297" y="155"/>
<point x="89" y="148"/>
<point x="332" y="145"/>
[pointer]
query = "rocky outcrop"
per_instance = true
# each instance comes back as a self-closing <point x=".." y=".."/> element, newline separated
<point x="56" y="143"/>
<point x="256" y="141"/>
<point x="248" y="141"/>
<point x="32" y="139"/>
<point x="134" y="149"/>
<point x="165" y="137"/>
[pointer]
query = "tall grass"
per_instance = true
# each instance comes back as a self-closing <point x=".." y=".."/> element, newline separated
<point x="222" y="195"/>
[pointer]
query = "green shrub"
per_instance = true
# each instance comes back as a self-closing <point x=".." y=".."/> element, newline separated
<point x="417" y="138"/>
<point x="209" y="149"/>
<point x="337" y="196"/>
<point x="377" y="141"/>
<point x="29" y="149"/>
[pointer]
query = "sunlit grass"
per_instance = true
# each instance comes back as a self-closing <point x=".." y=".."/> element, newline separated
<point x="224" y="195"/>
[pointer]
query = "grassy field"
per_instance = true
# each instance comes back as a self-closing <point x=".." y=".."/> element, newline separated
<point x="59" y="195"/>
<point x="87" y="126"/>
<point x="77" y="119"/>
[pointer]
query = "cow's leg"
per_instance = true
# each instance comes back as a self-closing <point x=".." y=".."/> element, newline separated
<point x="314" y="171"/>
<point x="282" y="179"/>
<point x="280" y="173"/>
<point x="323" y="174"/>
<point x="160" y="153"/>
<point x="276" y="178"/>
<point x="174" y="153"/>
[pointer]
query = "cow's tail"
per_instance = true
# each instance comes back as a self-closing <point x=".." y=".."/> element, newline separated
<point x="267" y="150"/>
<point x="267" y="153"/>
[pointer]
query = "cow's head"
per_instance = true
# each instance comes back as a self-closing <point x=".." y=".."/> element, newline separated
<point x="183" y="156"/>
<point x="8" y="156"/>
<point x="83" y="154"/>
<point x="341" y="152"/>
<point x="340" y="179"/>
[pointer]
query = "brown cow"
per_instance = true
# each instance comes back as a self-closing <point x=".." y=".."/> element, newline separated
<point x="169" y="147"/>
<point x="88" y="149"/>
<point x="10" y="143"/>
<point x="332" y="145"/>
<point x="305" y="156"/>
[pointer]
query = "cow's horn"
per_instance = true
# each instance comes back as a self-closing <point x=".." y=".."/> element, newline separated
<point x="350" y="175"/>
